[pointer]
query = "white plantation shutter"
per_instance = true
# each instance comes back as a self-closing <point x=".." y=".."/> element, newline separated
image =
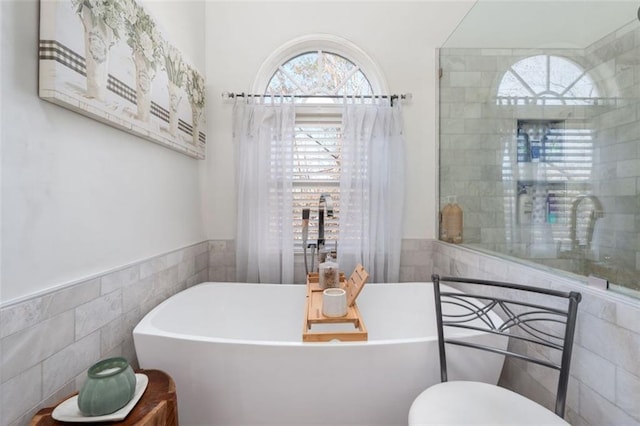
<point x="318" y="132"/>
<point x="316" y="168"/>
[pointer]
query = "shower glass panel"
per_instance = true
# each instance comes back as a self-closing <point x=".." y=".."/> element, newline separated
<point x="540" y="134"/>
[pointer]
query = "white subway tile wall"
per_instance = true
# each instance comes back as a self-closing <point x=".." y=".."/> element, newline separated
<point x="40" y="335"/>
<point x="222" y="261"/>
<point x="49" y="341"/>
<point x="605" y="374"/>
<point x="415" y="261"/>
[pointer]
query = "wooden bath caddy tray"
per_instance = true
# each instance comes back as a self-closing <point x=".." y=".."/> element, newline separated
<point x="313" y="311"/>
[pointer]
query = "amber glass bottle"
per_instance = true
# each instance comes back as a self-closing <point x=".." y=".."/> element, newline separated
<point x="452" y="222"/>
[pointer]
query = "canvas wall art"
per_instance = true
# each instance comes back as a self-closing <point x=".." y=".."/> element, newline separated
<point x="108" y="59"/>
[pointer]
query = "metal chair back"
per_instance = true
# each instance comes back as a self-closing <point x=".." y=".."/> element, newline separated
<point x="543" y="319"/>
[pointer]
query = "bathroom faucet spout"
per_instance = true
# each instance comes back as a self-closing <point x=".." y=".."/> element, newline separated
<point x="595" y="212"/>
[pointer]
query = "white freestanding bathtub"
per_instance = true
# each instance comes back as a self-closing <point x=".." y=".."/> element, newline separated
<point x="236" y="354"/>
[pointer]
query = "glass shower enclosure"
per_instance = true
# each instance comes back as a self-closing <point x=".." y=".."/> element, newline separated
<point x="540" y="134"/>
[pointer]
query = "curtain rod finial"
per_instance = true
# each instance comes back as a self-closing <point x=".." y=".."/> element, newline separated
<point x="227" y="97"/>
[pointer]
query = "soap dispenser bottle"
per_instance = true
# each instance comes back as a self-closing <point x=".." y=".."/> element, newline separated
<point x="525" y="205"/>
<point x="452" y="221"/>
<point x="523" y="147"/>
<point x="534" y="145"/>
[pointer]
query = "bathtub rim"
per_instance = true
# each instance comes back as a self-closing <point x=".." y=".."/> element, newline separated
<point x="145" y="327"/>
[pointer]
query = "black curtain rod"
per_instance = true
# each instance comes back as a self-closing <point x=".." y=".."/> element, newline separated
<point x="227" y="95"/>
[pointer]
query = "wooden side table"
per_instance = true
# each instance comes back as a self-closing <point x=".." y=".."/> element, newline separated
<point x="157" y="407"/>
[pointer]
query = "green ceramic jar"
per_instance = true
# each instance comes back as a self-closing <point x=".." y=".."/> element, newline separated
<point x="110" y="385"/>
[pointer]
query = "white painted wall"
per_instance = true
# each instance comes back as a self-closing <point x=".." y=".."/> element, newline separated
<point x="400" y="36"/>
<point x="80" y="197"/>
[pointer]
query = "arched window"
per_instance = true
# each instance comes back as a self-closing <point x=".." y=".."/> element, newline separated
<point x="320" y="56"/>
<point x="546" y="80"/>
<point x="319" y="73"/>
<point x="320" y="69"/>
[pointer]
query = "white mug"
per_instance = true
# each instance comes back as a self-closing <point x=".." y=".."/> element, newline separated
<point x="334" y="302"/>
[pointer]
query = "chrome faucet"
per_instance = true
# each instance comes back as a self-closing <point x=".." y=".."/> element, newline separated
<point x="325" y="202"/>
<point x="595" y="213"/>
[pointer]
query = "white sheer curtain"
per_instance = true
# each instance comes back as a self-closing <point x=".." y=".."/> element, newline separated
<point x="264" y="140"/>
<point x="372" y="190"/>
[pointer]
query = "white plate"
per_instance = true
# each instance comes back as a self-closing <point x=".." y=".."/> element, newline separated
<point x="68" y="410"/>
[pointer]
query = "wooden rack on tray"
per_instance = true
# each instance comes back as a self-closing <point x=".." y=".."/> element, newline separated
<point x="313" y="313"/>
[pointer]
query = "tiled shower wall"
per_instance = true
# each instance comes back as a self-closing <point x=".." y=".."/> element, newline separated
<point x="478" y="136"/>
<point x="476" y="132"/>
<point x="605" y="373"/>
<point x="617" y="155"/>
<point x="48" y="342"/>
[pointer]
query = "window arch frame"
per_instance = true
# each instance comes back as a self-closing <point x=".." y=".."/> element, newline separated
<point x="541" y="97"/>
<point x="327" y="43"/>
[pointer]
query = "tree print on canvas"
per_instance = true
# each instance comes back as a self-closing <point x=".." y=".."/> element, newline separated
<point x="107" y="59"/>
